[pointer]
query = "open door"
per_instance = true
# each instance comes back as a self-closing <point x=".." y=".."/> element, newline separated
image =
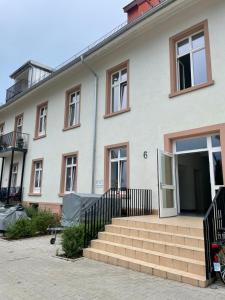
<point x="167" y="185"/>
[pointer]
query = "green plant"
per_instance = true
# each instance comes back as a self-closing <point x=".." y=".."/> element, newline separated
<point x="31" y="211"/>
<point x="21" y="229"/>
<point x="73" y="240"/>
<point x="43" y="220"/>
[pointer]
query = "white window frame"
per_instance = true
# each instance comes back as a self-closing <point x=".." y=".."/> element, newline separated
<point x="14" y="175"/>
<point x="42" y="121"/>
<point x="73" y="175"/>
<point x="74" y="100"/>
<point x="210" y="149"/>
<point x="2" y="127"/>
<point x="191" y="51"/>
<point x="118" y="84"/>
<point x="19" y="125"/>
<point x="38" y="173"/>
<point x="118" y="160"/>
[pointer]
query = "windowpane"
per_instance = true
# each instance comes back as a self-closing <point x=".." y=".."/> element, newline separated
<point x="69" y="160"/>
<point x="183" y="47"/>
<point x="72" y="114"/>
<point x="199" y="66"/>
<point x="191" y="144"/>
<point x="114" y="153"/>
<point x="123" y="152"/>
<point x="218" y="171"/>
<point x="124" y="75"/>
<point x="73" y="178"/>
<point x="115" y="98"/>
<point x="123" y="97"/>
<point x="115" y="78"/>
<point x="167" y="170"/>
<point x="114" y="175"/>
<point x="198" y="41"/>
<point x="68" y="179"/>
<point x="168" y="198"/>
<point x="123" y="171"/>
<point x="215" y="140"/>
<point x="184" y="68"/>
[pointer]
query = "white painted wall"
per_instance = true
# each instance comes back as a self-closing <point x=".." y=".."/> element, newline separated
<point x="152" y="113"/>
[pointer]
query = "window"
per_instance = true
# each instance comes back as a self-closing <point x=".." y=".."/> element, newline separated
<point x="41" y="120"/>
<point x="116" y="168"/>
<point x="117" y="90"/>
<point x="72" y="108"/>
<point x="2" y="126"/>
<point x="69" y="173"/>
<point x="19" y="124"/>
<point x="190" y="60"/>
<point x="36" y="177"/>
<point x="14" y="175"/>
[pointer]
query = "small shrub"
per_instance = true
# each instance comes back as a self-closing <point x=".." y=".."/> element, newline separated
<point x="21" y="229"/>
<point x="72" y="241"/>
<point x="43" y="220"/>
<point x="31" y="211"/>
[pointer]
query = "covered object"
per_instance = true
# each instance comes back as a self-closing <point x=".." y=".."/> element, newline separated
<point x="74" y="207"/>
<point x="9" y="215"/>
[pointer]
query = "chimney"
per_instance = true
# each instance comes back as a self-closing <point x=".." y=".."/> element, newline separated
<point x="138" y="7"/>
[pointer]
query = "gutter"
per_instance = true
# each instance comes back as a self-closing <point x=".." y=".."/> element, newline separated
<point x="95" y="124"/>
<point x="93" y="49"/>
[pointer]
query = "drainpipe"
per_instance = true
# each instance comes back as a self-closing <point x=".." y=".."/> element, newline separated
<point x="95" y="123"/>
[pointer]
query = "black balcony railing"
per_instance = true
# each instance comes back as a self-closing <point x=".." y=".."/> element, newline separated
<point x="113" y="204"/>
<point x="14" y="140"/>
<point x="214" y="227"/>
<point x="16" y="89"/>
<point x="11" y="196"/>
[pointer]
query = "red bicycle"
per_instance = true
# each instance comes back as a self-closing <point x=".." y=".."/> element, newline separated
<point x="218" y="249"/>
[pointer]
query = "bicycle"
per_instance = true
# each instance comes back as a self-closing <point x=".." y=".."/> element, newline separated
<point x="218" y="256"/>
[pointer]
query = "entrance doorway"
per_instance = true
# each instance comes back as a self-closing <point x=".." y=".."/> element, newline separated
<point x="190" y="177"/>
<point x="194" y="183"/>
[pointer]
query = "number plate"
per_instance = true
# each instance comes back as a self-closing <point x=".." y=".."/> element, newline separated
<point x="217" y="267"/>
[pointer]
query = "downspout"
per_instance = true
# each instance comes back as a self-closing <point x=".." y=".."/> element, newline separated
<point x="95" y="123"/>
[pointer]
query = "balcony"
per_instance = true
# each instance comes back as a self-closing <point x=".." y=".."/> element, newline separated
<point x="14" y="140"/>
<point x="16" y="89"/>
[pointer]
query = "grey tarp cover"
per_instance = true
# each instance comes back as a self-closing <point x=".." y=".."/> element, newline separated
<point x="9" y="215"/>
<point x="74" y="206"/>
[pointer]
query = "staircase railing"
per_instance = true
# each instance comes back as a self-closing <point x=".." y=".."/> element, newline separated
<point x="213" y="222"/>
<point x="113" y="204"/>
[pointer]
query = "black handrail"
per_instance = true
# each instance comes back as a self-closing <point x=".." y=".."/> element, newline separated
<point x="113" y="204"/>
<point x="14" y="139"/>
<point x="16" y="89"/>
<point x="213" y="223"/>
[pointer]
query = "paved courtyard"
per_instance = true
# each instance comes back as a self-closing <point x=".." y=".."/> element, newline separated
<point x="30" y="270"/>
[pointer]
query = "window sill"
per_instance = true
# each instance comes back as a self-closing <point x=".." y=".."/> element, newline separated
<point x="110" y="115"/>
<point x="61" y="194"/>
<point x="71" y="127"/>
<point x="34" y="194"/>
<point x="39" y="137"/>
<point x="192" y="89"/>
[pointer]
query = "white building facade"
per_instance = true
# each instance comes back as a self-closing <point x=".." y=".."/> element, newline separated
<point x="143" y="109"/>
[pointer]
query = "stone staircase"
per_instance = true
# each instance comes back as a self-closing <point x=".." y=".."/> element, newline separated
<point x="169" y="248"/>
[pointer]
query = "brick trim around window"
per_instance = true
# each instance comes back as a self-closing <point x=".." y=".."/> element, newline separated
<point x="38" y="109"/>
<point x="203" y="26"/>
<point x="66" y="109"/>
<point x="107" y="159"/>
<point x="31" y="188"/>
<point x="109" y="73"/>
<point x="63" y="171"/>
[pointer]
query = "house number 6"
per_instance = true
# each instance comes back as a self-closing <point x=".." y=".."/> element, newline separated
<point x="145" y="154"/>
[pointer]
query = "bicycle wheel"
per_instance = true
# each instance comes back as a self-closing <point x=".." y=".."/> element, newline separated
<point x="221" y="256"/>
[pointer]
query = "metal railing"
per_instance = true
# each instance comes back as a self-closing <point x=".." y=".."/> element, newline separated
<point x="13" y="195"/>
<point x="14" y="139"/>
<point x="16" y="89"/>
<point x="113" y="204"/>
<point x="213" y="222"/>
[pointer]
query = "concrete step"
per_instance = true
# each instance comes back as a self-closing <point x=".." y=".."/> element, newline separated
<point x="169" y="237"/>
<point x="146" y="267"/>
<point x="155" y="245"/>
<point x="154" y="257"/>
<point x="189" y="230"/>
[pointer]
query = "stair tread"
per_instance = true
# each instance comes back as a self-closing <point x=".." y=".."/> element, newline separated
<point x="180" y="258"/>
<point x="155" y="241"/>
<point x="150" y="265"/>
<point x="158" y="231"/>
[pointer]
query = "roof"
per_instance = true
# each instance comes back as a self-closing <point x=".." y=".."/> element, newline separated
<point x="92" y="49"/>
<point x="28" y="64"/>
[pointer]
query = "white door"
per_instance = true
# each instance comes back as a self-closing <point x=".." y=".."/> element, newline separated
<point x="167" y="185"/>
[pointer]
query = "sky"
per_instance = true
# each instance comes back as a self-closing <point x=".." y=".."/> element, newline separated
<point x="51" y="31"/>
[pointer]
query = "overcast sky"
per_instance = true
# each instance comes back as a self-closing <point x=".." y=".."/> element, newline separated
<point x="51" y="31"/>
